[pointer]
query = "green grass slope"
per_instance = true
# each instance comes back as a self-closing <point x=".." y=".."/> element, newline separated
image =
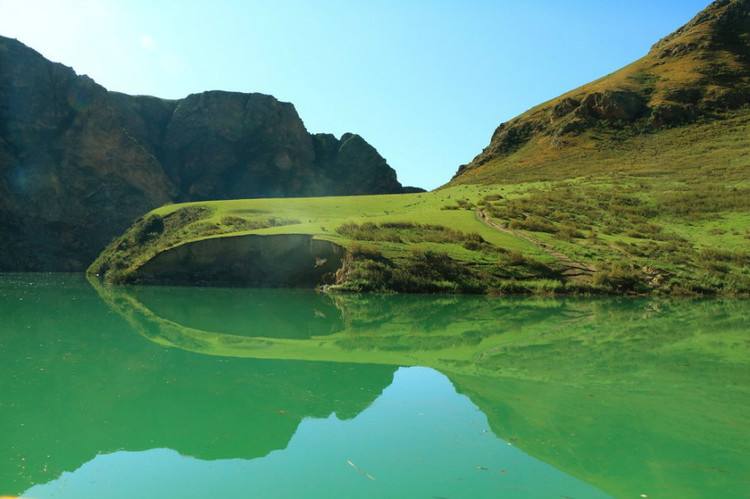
<point x="646" y="172"/>
<point x="431" y="242"/>
<point x="575" y="236"/>
<point x="636" y="183"/>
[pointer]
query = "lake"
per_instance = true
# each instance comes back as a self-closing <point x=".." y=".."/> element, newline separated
<point x="155" y="392"/>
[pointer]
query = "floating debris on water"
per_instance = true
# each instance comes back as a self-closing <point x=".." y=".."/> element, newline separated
<point x="360" y="470"/>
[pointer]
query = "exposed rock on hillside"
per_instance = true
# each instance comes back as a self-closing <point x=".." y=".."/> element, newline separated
<point x="78" y="163"/>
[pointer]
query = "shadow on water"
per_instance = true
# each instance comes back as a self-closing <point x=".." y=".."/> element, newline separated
<point x="627" y="395"/>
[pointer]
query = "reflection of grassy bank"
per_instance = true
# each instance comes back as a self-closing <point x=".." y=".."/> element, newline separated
<point x="364" y="329"/>
<point x="633" y="396"/>
<point x="592" y="340"/>
<point x="269" y="309"/>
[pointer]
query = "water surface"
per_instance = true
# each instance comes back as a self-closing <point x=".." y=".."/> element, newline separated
<point x="178" y="392"/>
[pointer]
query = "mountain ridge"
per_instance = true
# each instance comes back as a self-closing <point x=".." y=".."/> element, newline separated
<point x="79" y="163"/>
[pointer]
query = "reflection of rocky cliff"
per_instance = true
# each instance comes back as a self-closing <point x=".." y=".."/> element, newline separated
<point x="84" y="384"/>
<point x="623" y="394"/>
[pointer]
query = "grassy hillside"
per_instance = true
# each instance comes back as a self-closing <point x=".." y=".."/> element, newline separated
<point x="636" y="183"/>
<point x="661" y="113"/>
<point x="416" y="242"/>
<point x="646" y="170"/>
<point x="581" y="235"/>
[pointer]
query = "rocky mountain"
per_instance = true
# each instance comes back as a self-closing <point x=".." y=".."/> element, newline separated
<point x="692" y="79"/>
<point x="79" y="163"/>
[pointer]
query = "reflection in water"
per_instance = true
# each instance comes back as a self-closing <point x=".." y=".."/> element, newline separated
<point x="419" y="439"/>
<point x="78" y="382"/>
<point x="628" y="396"/>
<point x="250" y="312"/>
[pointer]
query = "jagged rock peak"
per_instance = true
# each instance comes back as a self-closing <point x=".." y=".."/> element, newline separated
<point x="79" y="163"/>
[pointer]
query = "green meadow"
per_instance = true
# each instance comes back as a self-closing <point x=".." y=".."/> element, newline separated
<point x="616" y="233"/>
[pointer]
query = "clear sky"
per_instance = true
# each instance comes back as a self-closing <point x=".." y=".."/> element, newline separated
<point x="425" y="82"/>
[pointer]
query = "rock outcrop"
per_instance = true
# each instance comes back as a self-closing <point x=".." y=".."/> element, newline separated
<point x="78" y="163"/>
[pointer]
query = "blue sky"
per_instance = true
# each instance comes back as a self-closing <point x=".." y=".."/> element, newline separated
<point x="425" y="82"/>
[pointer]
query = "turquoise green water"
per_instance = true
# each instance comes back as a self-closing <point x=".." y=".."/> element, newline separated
<point x="176" y="392"/>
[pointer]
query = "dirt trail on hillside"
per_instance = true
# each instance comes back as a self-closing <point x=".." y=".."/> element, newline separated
<point x="573" y="269"/>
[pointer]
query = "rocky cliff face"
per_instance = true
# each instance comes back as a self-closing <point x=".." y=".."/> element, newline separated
<point x="698" y="73"/>
<point x="79" y="163"/>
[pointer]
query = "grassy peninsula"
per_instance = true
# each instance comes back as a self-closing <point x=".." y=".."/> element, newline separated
<point x="583" y="235"/>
